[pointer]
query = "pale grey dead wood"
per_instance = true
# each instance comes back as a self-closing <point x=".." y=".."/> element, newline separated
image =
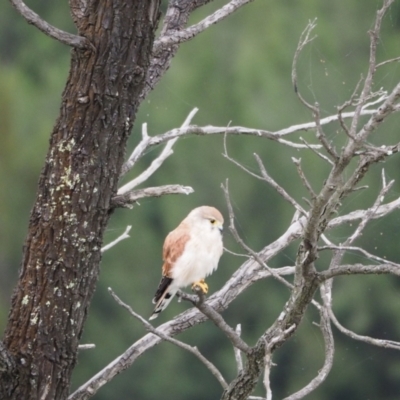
<point x="338" y="254"/>
<point x="264" y="177"/>
<point x="138" y="151"/>
<point x="217" y="319"/>
<point x="303" y="178"/>
<point x="318" y="153"/>
<point x="360" y="250"/>
<point x="381" y="211"/>
<point x="191" y="349"/>
<point x="129" y="199"/>
<point x="381" y="64"/>
<point x="236" y="351"/>
<point x="88" y="346"/>
<point x="366" y="90"/>
<point x="124" y="236"/>
<point x="327" y="334"/>
<point x="327" y="299"/>
<point x="240" y="241"/>
<point x="157" y="162"/>
<point x="360" y="269"/>
<point x="180" y="36"/>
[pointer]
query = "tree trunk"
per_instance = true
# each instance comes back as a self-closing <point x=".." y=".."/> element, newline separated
<point x="60" y="265"/>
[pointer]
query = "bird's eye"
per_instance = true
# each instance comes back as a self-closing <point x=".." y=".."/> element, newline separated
<point x="213" y="221"/>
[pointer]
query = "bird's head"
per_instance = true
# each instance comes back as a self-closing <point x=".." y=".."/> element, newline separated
<point x="207" y="215"/>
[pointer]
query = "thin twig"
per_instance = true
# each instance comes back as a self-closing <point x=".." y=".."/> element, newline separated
<point x="304" y="180"/>
<point x="359" y="249"/>
<point x="217" y="319"/>
<point x="319" y="154"/>
<point x="327" y="334"/>
<point x="277" y="187"/>
<point x="327" y="298"/>
<point x="193" y="350"/>
<point x="381" y="64"/>
<point x="125" y="235"/>
<point x="321" y="136"/>
<point x="167" y="151"/>
<point x="346" y="104"/>
<point x="374" y="36"/>
<point x="239" y="240"/>
<point x="303" y="41"/>
<point x="138" y="151"/>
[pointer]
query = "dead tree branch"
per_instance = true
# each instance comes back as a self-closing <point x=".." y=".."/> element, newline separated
<point x="190" y="349"/>
<point x="34" y="19"/>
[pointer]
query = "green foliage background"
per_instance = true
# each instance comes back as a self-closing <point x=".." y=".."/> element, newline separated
<point x="237" y="72"/>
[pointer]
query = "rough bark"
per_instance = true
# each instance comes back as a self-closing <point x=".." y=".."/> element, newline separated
<point x="61" y="257"/>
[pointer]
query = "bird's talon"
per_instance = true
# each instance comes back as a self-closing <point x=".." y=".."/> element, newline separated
<point x="202" y="285"/>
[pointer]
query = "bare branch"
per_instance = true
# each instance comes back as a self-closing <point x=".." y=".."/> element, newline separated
<point x="240" y="130"/>
<point x="34" y="19"/>
<point x="239" y="240"/>
<point x="277" y="187"/>
<point x="217" y="319"/>
<point x="347" y="103"/>
<point x="361" y="250"/>
<point x="167" y="151"/>
<point x="137" y="152"/>
<point x="238" y="355"/>
<point x="88" y="346"/>
<point x="303" y="41"/>
<point x="326" y="330"/>
<point x="179" y="36"/>
<point x="321" y="134"/>
<point x="387" y="108"/>
<point x="381" y="64"/>
<point x="387" y="344"/>
<point x="326" y="291"/>
<point x="125" y="235"/>
<point x="130" y="198"/>
<point x="364" y="221"/>
<point x="359" y="214"/>
<point x="306" y="184"/>
<point x="267" y="373"/>
<point x="325" y="158"/>
<point x="190" y="349"/>
<point x="360" y="269"/>
<point x="374" y="36"/>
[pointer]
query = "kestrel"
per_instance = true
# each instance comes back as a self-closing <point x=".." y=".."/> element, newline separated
<point x="190" y="253"/>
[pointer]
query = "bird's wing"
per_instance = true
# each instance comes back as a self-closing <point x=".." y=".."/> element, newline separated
<point x="174" y="246"/>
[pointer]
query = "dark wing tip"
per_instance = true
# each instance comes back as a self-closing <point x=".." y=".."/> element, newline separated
<point x="164" y="283"/>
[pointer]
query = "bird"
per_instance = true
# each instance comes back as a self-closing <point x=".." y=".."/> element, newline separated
<point x="191" y="252"/>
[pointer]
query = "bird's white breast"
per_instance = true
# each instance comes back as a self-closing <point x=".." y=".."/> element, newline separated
<point x="199" y="258"/>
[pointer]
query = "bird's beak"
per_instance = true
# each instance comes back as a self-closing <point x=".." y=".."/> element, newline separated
<point x="221" y="228"/>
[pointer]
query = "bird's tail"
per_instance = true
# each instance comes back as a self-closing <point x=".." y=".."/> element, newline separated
<point x="163" y="296"/>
